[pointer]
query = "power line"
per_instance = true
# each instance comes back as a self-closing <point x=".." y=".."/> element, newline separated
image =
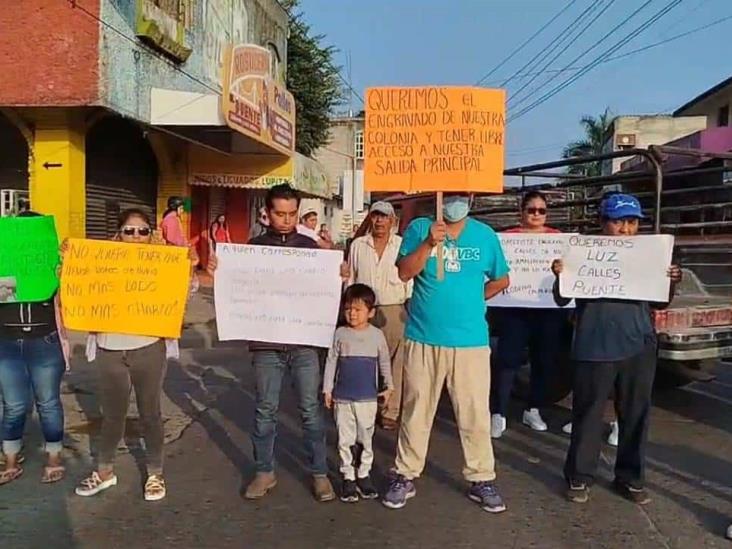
<point x="670" y="6"/>
<point x="586" y="51"/>
<point x="525" y="42"/>
<point x="637" y="50"/>
<point x="556" y="39"/>
<point x="517" y="93"/>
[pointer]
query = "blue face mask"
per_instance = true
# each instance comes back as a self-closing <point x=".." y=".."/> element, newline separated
<point x="455" y="208"/>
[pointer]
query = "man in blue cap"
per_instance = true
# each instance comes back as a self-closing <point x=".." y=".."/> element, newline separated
<point x="614" y="348"/>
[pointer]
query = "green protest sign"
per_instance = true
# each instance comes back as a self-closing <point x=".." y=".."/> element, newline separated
<point x="29" y="259"/>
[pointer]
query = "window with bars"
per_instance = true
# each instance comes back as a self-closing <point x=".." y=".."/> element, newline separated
<point x="358" y="144"/>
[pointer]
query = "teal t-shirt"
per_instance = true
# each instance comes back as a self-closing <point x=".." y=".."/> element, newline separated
<point x="451" y="312"/>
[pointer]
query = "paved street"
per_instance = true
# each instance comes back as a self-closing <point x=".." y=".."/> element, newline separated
<point x="209" y="416"/>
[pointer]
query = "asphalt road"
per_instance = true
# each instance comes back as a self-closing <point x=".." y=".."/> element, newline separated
<point x="689" y="476"/>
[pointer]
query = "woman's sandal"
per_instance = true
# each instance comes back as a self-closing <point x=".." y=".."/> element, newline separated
<point x="9" y="475"/>
<point x="53" y="474"/>
<point x="155" y="488"/>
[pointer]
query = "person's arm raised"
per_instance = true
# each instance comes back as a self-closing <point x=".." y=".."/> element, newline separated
<point x="414" y="263"/>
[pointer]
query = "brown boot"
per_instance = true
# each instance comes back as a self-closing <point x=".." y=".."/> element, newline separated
<point x="323" y="489"/>
<point x="260" y="486"/>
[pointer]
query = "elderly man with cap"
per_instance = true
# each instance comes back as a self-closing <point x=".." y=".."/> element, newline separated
<point x="372" y="261"/>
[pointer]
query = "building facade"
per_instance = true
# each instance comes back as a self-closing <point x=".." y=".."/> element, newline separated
<point x="630" y="132"/>
<point x="342" y="161"/>
<point x="110" y="104"/>
<point x="714" y="104"/>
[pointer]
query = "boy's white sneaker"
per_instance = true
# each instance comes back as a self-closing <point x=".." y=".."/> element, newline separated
<point x="612" y="439"/>
<point x="498" y="425"/>
<point x="567" y="429"/>
<point x="532" y="419"/>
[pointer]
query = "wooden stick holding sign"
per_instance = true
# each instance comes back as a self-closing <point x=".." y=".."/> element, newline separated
<point x="440" y="246"/>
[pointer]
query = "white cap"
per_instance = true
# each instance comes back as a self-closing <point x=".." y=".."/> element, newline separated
<point x="307" y="211"/>
<point x="382" y="207"/>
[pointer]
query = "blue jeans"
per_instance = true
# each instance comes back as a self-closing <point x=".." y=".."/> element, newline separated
<point x="37" y="365"/>
<point x="269" y="369"/>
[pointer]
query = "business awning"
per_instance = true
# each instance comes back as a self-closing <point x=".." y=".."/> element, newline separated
<point x="256" y="171"/>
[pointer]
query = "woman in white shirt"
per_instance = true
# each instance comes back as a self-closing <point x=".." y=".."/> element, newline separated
<point x="124" y="362"/>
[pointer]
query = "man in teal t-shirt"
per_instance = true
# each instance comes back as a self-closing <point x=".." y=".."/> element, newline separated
<point x="447" y="342"/>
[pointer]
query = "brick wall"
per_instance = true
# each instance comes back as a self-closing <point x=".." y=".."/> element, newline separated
<point x="48" y="53"/>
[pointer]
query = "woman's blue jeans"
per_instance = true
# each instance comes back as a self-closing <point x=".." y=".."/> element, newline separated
<point x="32" y="367"/>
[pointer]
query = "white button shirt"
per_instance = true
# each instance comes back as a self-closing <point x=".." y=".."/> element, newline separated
<point x="381" y="275"/>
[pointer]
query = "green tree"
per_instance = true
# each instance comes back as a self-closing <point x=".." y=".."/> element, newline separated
<point x="595" y="129"/>
<point x="313" y="79"/>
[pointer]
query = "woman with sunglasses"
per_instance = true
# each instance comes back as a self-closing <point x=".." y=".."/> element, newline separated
<point x="124" y="362"/>
<point x="538" y="329"/>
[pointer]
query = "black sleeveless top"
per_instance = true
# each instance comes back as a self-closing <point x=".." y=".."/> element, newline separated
<point x="21" y="320"/>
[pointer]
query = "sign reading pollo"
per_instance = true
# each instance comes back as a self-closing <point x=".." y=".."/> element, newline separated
<point x="253" y="103"/>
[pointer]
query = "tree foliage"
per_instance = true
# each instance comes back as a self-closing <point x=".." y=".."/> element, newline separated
<point x="595" y="131"/>
<point x="313" y="79"/>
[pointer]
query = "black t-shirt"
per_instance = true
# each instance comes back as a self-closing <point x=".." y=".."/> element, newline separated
<point x="609" y="330"/>
<point x="20" y="320"/>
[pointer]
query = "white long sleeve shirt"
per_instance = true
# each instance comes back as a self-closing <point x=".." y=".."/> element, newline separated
<point x="381" y="275"/>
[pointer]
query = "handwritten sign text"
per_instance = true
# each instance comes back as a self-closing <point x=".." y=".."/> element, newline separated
<point x="617" y="267"/>
<point x="277" y="295"/>
<point x="115" y="287"/>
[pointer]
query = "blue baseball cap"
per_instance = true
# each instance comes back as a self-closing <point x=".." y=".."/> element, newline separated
<point x="620" y="206"/>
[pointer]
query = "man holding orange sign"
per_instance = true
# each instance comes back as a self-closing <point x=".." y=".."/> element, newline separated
<point x="437" y="139"/>
<point x="447" y="343"/>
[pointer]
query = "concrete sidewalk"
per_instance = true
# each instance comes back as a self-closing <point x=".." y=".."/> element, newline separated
<point x="79" y="387"/>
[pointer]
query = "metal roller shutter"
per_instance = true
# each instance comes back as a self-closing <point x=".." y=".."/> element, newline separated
<point x="121" y="173"/>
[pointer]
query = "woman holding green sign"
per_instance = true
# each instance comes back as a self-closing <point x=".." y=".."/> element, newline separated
<point x="32" y="351"/>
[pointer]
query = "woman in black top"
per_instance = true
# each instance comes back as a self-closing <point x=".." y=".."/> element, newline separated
<point x="31" y="363"/>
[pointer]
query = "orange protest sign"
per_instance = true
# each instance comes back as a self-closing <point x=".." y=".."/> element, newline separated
<point x="115" y="287"/>
<point x="434" y="139"/>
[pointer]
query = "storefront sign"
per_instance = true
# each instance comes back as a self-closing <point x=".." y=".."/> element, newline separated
<point x="28" y="259"/>
<point x="434" y="139"/>
<point x="237" y="180"/>
<point x="277" y="295"/>
<point x="161" y="23"/>
<point x="253" y="103"/>
<point x="530" y="257"/>
<point x="114" y="287"/>
<point x="617" y="267"/>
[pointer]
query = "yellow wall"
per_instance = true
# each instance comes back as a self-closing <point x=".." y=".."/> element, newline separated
<point x="172" y="157"/>
<point x="57" y="184"/>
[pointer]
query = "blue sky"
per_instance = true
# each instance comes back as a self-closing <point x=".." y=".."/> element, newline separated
<point x="415" y="42"/>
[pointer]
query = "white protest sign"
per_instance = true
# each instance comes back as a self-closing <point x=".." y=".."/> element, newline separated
<point x="617" y="267"/>
<point x="277" y="295"/>
<point x="530" y="257"/>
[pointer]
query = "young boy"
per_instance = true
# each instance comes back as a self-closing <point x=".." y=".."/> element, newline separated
<point x="351" y="385"/>
<point x="614" y="348"/>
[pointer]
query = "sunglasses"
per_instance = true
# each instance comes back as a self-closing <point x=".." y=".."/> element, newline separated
<point x="140" y="231"/>
<point x="536" y="211"/>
